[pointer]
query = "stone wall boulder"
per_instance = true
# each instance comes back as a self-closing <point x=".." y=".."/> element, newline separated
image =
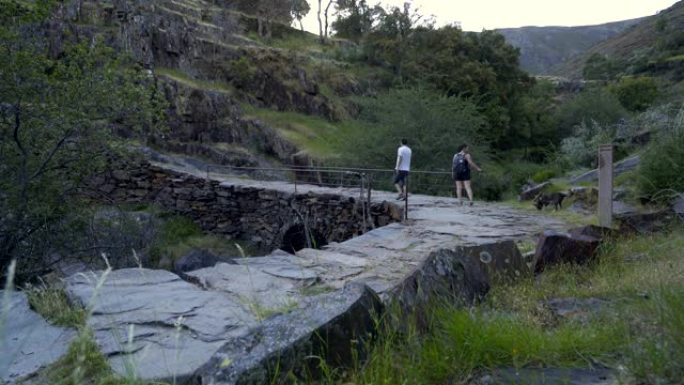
<point x="556" y="248"/>
<point x="447" y="274"/>
<point x="646" y="222"/>
<point x="598" y="232"/>
<point x="333" y="328"/>
<point x="194" y="260"/>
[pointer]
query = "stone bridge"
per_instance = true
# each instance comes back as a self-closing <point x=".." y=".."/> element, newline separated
<point x="254" y="320"/>
<point x="270" y="215"/>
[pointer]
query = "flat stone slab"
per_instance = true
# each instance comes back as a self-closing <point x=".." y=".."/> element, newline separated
<point x="264" y="285"/>
<point x="156" y="324"/>
<point x="620" y="167"/>
<point x="27" y="342"/>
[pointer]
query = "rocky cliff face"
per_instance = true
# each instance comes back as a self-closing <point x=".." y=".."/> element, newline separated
<point x="208" y="69"/>
<point x="542" y="49"/>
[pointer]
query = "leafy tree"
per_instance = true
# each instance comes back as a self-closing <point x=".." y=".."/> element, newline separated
<point x="661" y="171"/>
<point x="600" y="67"/>
<point x="635" y="93"/>
<point x="300" y="8"/>
<point x="597" y="105"/>
<point x="269" y="11"/>
<point x="434" y="125"/>
<point x="480" y="66"/>
<point x="389" y="42"/>
<point x="56" y="122"/>
<point x="535" y="131"/>
<point x="355" y="18"/>
<point x="323" y="14"/>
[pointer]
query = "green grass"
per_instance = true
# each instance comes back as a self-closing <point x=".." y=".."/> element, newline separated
<point x="462" y="342"/>
<point x="563" y="214"/>
<point x="180" y="235"/>
<point x="318" y="136"/>
<point x="84" y="364"/>
<point x="54" y="306"/>
<point x="186" y="80"/>
<point x="642" y="330"/>
<point x="262" y="312"/>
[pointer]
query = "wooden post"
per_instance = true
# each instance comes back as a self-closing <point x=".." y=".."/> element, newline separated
<point x="605" y="172"/>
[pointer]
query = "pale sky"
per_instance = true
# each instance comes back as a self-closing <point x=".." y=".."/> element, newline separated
<point x="476" y="15"/>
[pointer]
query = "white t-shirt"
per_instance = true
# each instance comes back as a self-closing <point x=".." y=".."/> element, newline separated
<point x="405" y="153"/>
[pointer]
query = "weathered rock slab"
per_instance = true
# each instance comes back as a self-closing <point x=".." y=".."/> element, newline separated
<point x="263" y="289"/>
<point x="330" y="328"/>
<point x="27" y="341"/>
<point x="165" y="326"/>
<point x="620" y="167"/>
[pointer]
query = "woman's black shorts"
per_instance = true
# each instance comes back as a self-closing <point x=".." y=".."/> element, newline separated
<point x="462" y="176"/>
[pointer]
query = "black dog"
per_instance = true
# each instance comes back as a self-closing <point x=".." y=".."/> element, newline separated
<point x="544" y="199"/>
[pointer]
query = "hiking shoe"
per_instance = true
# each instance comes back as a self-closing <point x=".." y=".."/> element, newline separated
<point x="400" y="197"/>
<point x="470" y="203"/>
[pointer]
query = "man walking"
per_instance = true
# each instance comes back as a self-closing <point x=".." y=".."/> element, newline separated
<point x="461" y="172"/>
<point x="402" y="168"/>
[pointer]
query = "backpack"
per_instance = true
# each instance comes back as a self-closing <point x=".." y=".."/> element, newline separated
<point x="460" y="164"/>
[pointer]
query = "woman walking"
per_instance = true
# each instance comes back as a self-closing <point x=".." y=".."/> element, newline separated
<point x="461" y="172"/>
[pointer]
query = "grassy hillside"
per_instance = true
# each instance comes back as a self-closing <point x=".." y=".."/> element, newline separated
<point x="542" y="49"/>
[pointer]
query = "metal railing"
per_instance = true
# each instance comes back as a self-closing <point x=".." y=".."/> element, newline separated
<point x="350" y="178"/>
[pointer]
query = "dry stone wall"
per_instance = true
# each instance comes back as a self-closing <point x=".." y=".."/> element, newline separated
<point x="262" y="216"/>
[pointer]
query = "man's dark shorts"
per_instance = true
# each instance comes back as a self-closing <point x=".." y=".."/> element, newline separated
<point x="462" y="176"/>
<point x="400" y="177"/>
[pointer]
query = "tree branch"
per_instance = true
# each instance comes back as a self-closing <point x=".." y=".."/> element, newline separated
<point x="54" y="150"/>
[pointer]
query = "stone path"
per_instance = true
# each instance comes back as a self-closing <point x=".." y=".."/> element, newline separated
<point x="235" y="323"/>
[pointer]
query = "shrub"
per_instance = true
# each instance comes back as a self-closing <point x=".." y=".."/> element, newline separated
<point x="489" y="186"/>
<point x="543" y="175"/>
<point x="661" y="172"/>
<point x="635" y="93"/>
<point x="580" y="149"/>
<point x="433" y="124"/>
<point x="598" y="106"/>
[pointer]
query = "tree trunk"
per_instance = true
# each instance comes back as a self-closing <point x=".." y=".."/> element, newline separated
<point x="320" y="22"/>
<point x="327" y="9"/>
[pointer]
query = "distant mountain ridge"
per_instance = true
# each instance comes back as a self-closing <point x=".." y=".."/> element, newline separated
<point x="653" y="46"/>
<point x="543" y="49"/>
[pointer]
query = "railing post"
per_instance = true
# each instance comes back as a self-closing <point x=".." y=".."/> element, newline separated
<point x="406" y="194"/>
<point x="361" y="177"/>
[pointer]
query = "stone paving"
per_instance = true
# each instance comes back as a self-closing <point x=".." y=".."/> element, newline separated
<point x="233" y="322"/>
